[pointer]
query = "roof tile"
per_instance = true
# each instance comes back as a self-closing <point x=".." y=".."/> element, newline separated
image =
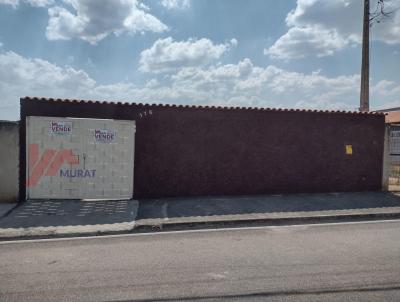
<point x="75" y="101"/>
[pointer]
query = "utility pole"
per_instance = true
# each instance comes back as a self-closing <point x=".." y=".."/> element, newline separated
<point x="364" y="92"/>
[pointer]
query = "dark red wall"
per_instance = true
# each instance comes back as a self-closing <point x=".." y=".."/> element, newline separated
<point x="186" y="151"/>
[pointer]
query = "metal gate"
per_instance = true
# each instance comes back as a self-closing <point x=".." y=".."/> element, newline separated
<point x="394" y="153"/>
<point x="73" y="158"/>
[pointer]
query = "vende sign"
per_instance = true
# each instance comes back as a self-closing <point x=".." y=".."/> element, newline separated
<point x="60" y="128"/>
<point x="104" y="135"/>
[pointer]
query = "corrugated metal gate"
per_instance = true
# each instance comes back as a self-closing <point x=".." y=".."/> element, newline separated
<point x="74" y="158"/>
<point x="394" y="151"/>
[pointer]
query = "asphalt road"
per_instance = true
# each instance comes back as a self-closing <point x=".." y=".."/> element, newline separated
<point x="342" y="262"/>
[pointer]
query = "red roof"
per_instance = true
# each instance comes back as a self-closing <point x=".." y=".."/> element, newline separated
<point x="392" y="117"/>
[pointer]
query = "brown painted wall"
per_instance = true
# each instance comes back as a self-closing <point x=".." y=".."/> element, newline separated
<point x="187" y="151"/>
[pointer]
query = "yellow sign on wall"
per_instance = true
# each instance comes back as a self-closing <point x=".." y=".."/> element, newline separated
<point x="349" y="149"/>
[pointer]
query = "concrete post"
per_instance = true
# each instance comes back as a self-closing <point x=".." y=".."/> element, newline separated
<point x="364" y="91"/>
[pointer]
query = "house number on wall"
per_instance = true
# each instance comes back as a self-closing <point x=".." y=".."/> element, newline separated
<point x="145" y="113"/>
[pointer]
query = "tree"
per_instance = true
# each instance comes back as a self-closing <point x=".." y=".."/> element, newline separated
<point x="368" y="19"/>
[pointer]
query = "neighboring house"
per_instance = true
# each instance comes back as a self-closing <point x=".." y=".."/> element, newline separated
<point x="392" y="119"/>
<point x="392" y="115"/>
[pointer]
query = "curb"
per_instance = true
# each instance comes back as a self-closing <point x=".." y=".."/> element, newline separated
<point x="8" y="234"/>
<point x="169" y="225"/>
<point x="66" y="231"/>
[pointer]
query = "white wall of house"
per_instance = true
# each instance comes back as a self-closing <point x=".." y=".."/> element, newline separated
<point x="9" y="161"/>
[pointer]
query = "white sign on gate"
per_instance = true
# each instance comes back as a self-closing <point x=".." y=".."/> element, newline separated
<point x="104" y="135"/>
<point x="60" y="127"/>
<point x="81" y="159"/>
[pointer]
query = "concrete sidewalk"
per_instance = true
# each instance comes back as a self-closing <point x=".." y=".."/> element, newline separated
<point x="72" y="218"/>
<point x="267" y="209"/>
<point x="69" y="217"/>
<point x="6" y="208"/>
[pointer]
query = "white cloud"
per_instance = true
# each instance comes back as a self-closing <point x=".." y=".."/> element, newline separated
<point x="93" y="20"/>
<point x="241" y="84"/>
<point x="175" y="4"/>
<point x="20" y="76"/>
<point x="168" y="55"/>
<point x="13" y="3"/>
<point x="35" y="74"/>
<point x="36" y="3"/>
<point x="249" y="85"/>
<point x="343" y="15"/>
<point x="40" y="3"/>
<point x="299" y="42"/>
<point x="320" y="28"/>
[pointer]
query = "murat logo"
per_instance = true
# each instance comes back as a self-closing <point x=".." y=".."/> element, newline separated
<point x="60" y="128"/>
<point x="50" y="163"/>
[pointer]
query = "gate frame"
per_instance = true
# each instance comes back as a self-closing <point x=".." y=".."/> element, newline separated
<point x="386" y="159"/>
<point x="23" y="155"/>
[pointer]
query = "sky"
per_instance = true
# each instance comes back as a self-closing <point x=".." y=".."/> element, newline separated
<point x="258" y="53"/>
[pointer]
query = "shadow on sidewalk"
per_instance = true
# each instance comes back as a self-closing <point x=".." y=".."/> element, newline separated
<point x="227" y="205"/>
<point x="45" y="213"/>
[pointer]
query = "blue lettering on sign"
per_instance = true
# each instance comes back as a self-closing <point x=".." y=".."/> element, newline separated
<point x="77" y="173"/>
